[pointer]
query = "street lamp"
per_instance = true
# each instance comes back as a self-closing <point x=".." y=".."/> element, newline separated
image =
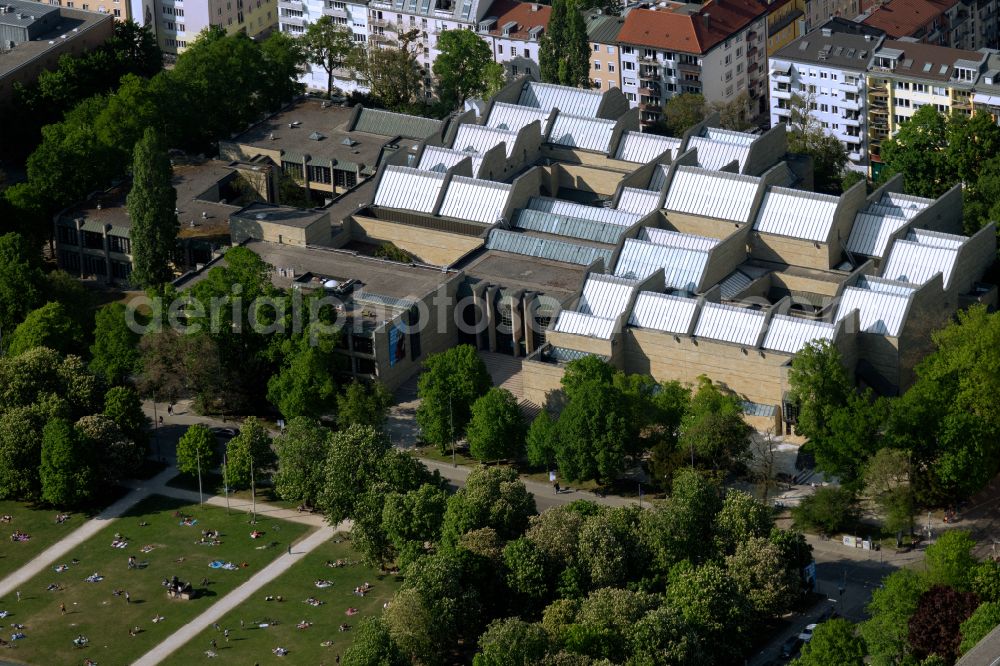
<point x="201" y="498"/>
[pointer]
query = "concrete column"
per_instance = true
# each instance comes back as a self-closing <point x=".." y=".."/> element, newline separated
<point x="491" y="316"/>
<point x="517" y="321"/>
<point x="530" y="306"/>
<point x="479" y="310"/>
<point x="107" y="255"/>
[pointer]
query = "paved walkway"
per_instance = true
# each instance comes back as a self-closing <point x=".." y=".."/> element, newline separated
<point x="245" y="505"/>
<point x="190" y="630"/>
<point x="58" y="550"/>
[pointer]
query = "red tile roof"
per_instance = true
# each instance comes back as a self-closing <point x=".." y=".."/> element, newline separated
<point x="527" y="15"/>
<point x="669" y="28"/>
<point x="903" y="18"/>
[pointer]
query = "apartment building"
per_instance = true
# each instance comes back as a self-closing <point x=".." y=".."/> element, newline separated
<point x="905" y="76"/>
<point x="784" y="23"/>
<point x="422" y="21"/>
<point x="959" y="24"/>
<point x="986" y="92"/>
<point x="295" y="15"/>
<point x="716" y="49"/>
<point x="120" y="9"/>
<point x="605" y="58"/>
<point x="514" y="31"/>
<point x="818" y="12"/>
<point x="827" y="70"/>
<point x="176" y="23"/>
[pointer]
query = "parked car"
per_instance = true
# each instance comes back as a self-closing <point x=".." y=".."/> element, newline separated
<point x="225" y="433"/>
<point x="791" y="646"/>
<point x="807" y="633"/>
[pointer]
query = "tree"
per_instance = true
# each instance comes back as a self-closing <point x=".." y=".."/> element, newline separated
<point x="122" y="405"/>
<point x="713" y="428"/>
<point x="66" y="472"/>
<point x="564" y="53"/>
<point x="151" y="204"/>
<point x="741" y="518"/>
<point x="511" y="642"/>
<point x="948" y="419"/>
<point x="496" y="427"/>
<point x="115" y="456"/>
<point x="196" y="450"/>
<point x="492" y="497"/>
<point x="352" y="465"/>
<point x="373" y="646"/>
<point x="757" y="568"/>
<point x="828" y="509"/>
<point x="305" y="385"/>
<point x="328" y="45"/>
<point x="391" y="71"/>
<point x="684" y="111"/>
<point x="451" y="382"/>
<point x="363" y="405"/>
<point x="985" y="580"/>
<point x="735" y="114"/>
<point x="833" y="643"/>
<point x="21" y="449"/>
<point x="541" y="440"/>
<point x="709" y="600"/>
<point x="20" y="280"/>
<point x="919" y="151"/>
<point x="680" y="528"/>
<point x="935" y="624"/>
<point x="114" y="354"/>
<point x="301" y="451"/>
<point x="984" y="620"/>
<point x="887" y="482"/>
<point x="806" y="136"/>
<point x="604" y="624"/>
<point x="248" y="454"/>
<point x="462" y="66"/>
<point x="41" y="376"/>
<point x="412" y="519"/>
<point x="48" y="326"/>
<point x="526" y="570"/>
<point x="818" y="384"/>
<point x="176" y="364"/>
<point x="886" y="631"/>
<point x="950" y="560"/>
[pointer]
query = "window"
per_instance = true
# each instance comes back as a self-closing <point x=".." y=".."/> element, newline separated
<point x="739" y="68"/>
<point x="919" y="87"/>
<point x="729" y="76"/>
<point x="597" y="84"/>
<point x="823" y="75"/>
<point x="903" y="102"/>
<point x="942" y="108"/>
<point x="729" y="91"/>
<point x="597" y="65"/>
<point x="118" y="12"/>
<point x="597" y="47"/>
<point x="86" y="6"/>
<point x="739" y="51"/>
<point x="824" y="108"/>
<point x="66" y="235"/>
<point x="902" y="85"/>
<point x="611" y="66"/>
<point x="180" y="27"/>
<point x="527" y="54"/>
<point x="648" y="53"/>
<point x="94" y="265"/>
<point x="630" y="96"/>
<point x="293" y="169"/>
<point x="121" y="270"/>
<point x="500" y="49"/>
<point x="513" y="70"/>
<point x="940" y="91"/>
<point x="834" y="109"/>
<point x="120" y="245"/>
<point x="69" y="261"/>
<point x="728" y="59"/>
<point x="628" y="66"/>
<point x="628" y="50"/>
<point x="611" y="50"/>
<point x="319" y="174"/>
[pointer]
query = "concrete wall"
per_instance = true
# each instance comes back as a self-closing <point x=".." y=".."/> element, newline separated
<point x="700" y="226"/>
<point x="586" y="344"/>
<point x="587" y="179"/>
<point x="430" y="246"/>
<point x="766" y="151"/>
<point x="317" y="233"/>
<point x="540" y="380"/>
<point x="725" y="257"/>
<point x="944" y="215"/>
<point x="791" y="251"/>
<point x="974" y="259"/>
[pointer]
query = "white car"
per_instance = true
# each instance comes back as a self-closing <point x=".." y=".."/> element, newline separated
<point x="807" y="633"/>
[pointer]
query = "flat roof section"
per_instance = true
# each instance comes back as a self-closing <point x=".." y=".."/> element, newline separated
<point x="71" y="24"/>
<point x="557" y="279"/>
<point x="284" y="215"/>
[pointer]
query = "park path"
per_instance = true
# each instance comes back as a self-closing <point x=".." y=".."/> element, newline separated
<point x="189" y="631"/>
<point x="57" y="551"/>
<point x="247" y="506"/>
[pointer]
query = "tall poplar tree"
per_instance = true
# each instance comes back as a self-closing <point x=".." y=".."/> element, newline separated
<point x="564" y="55"/>
<point x="151" y="205"/>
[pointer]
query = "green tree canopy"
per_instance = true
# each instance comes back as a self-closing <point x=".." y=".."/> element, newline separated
<point x="710" y="601"/>
<point x="496" y="428"/>
<point x="352" y="465"/>
<point x="680" y="527"/>
<point x="196" y="450"/>
<point x="362" y="404"/>
<point x="301" y="450"/>
<point x="151" y="204"/>
<point x="492" y="497"/>
<point x="564" y="53"/>
<point x="450" y="383"/>
<point x="462" y="66"/>
<point x="759" y="570"/>
<point x="37" y="376"/>
<point x="373" y="646"/>
<point x="511" y="642"/>
<point x="714" y="429"/>
<point x="391" y="72"/>
<point x="20" y="281"/>
<point x="807" y="136"/>
<point x="114" y="354"/>
<point x="950" y="560"/>
<point x="122" y="405"/>
<point x="328" y="45"/>
<point x="249" y="450"/>
<point x="414" y="518"/>
<point x="886" y="631"/>
<point x="305" y="385"/>
<point x="67" y="470"/>
<point x="919" y="152"/>
<point x="21" y="449"/>
<point x="741" y="518"/>
<point x="834" y="643"/>
<point x="684" y="111"/>
<point x="984" y="620"/>
<point x="48" y="326"/>
<point x="828" y="509"/>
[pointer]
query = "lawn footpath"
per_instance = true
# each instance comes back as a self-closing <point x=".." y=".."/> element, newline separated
<point x="39" y="524"/>
<point x="251" y="643"/>
<point x="165" y="536"/>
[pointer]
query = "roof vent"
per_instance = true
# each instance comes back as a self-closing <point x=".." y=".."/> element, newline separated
<point x="316" y="136"/>
<point x="348" y="141"/>
<point x="261" y="216"/>
<point x="707" y="19"/>
<point x="828" y="32"/>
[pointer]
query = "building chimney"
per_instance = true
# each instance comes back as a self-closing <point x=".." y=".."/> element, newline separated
<point x="707" y="18"/>
<point x="827" y="32"/>
<point x="534" y="6"/>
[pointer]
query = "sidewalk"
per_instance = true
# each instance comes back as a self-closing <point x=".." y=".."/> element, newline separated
<point x="56" y="551"/>
<point x="190" y="630"/>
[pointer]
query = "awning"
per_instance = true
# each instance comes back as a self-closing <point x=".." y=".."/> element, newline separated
<point x="783" y="67"/>
<point x="989" y="100"/>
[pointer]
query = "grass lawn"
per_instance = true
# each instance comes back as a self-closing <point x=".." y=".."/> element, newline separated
<point x="252" y="644"/>
<point x="92" y="609"/>
<point x="40" y="524"/>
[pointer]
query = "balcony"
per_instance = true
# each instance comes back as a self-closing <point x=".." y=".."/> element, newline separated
<point x="854" y="156"/>
<point x="850" y="104"/>
<point x="852" y="122"/>
<point x="292" y="20"/>
<point x="335" y="11"/>
<point x="780" y="112"/>
<point x="781" y="94"/>
<point x="291" y="4"/>
<point x="650" y="91"/>
<point x="780" y="77"/>
<point x="377" y="22"/>
<point x="379" y="38"/>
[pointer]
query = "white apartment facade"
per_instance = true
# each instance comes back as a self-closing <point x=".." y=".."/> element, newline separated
<point x="827" y="68"/>
<point x="295" y="15"/>
<point x="176" y="23"/>
<point x="513" y="31"/>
